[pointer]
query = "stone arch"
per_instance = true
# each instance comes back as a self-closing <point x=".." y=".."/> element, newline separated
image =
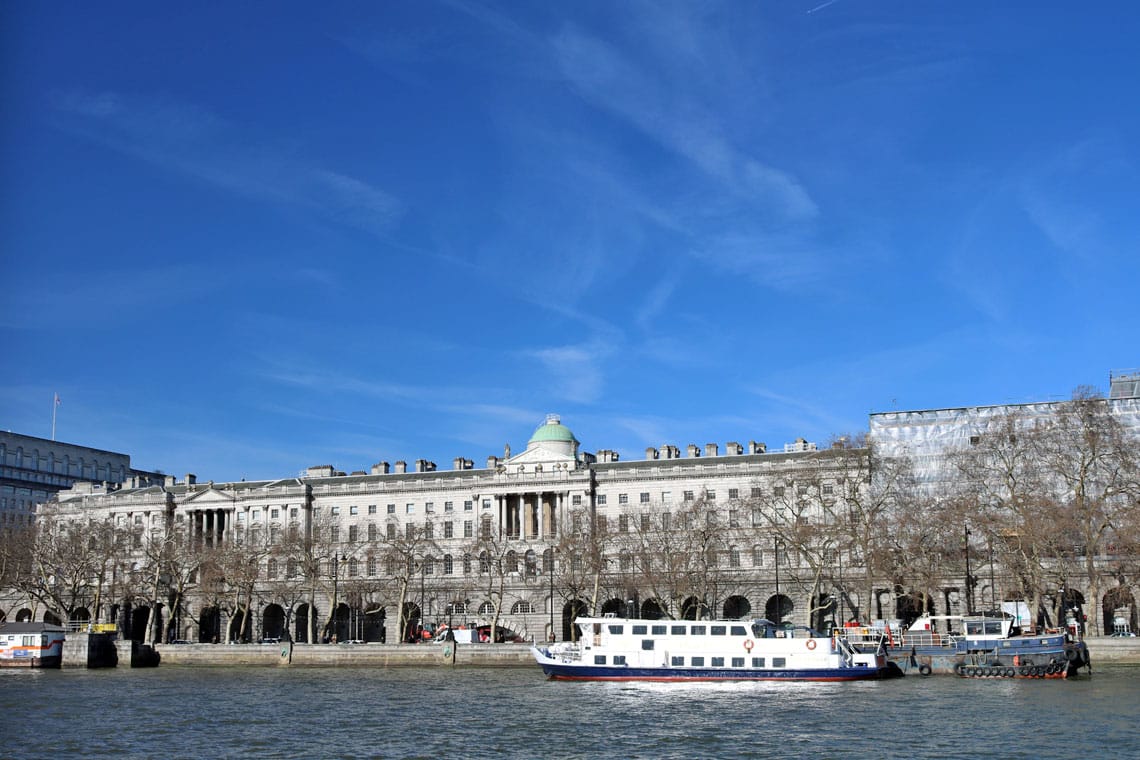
<point x="305" y="620"/>
<point x="778" y="608"/>
<point x="51" y="618"/>
<point x="694" y="609"/>
<point x="652" y="609"/>
<point x="79" y="617"/>
<point x="1119" y="611"/>
<point x="374" y="621"/>
<point x="737" y="607"/>
<point x="411" y="622"/>
<point x="137" y="629"/>
<point x="24" y="615"/>
<point x="273" y="622"/>
<point x="823" y="612"/>
<point x="571" y="611"/>
<point x="209" y="626"/>
<point x="909" y="606"/>
<point x="615" y="606"/>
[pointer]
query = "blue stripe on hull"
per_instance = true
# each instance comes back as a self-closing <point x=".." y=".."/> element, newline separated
<point x="597" y="673"/>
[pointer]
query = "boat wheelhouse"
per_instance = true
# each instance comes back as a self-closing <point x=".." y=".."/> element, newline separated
<point x="625" y="649"/>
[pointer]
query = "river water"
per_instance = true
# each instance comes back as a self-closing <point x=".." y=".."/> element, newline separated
<point x="516" y="713"/>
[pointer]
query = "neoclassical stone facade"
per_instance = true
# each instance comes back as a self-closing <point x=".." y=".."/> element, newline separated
<point x="524" y="509"/>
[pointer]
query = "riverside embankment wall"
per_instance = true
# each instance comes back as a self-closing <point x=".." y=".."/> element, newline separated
<point x="345" y="655"/>
<point x="1102" y="649"/>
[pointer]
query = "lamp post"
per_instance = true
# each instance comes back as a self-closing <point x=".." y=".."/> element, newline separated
<point x="550" y="572"/>
<point x="969" y="578"/>
<point x="336" y="559"/>
<point x="779" y="613"/>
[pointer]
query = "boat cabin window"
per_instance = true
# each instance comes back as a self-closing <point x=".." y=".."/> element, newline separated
<point x="718" y="630"/>
<point x="738" y="662"/>
<point x="698" y="630"/>
<point x="678" y="630"/>
<point x="647" y="644"/>
<point x="640" y="630"/>
<point x="659" y="630"/>
<point x="616" y="629"/>
<point x="698" y="662"/>
<point x="718" y="662"/>
<point x="677" y="660"/>
<point x="739" y="630"/>
<point x="993" y="628"/>
<point x="599" y="659"/>
<point x="760" y="631"/>
<point x="757" y="662"/>
<point x="619" y="659"/>
<point x="779" y="662"/>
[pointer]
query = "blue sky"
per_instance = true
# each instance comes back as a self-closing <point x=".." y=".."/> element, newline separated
<point x="246" y="238"/>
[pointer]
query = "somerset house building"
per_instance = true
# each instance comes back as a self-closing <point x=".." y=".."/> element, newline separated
<point x="527" y="541"/>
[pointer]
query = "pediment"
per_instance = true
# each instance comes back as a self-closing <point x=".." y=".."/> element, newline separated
<point x="539" y="455"/>
<point x="210" y="496"/>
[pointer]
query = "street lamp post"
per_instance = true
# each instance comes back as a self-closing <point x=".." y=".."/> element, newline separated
<point x="779" y="614"/>
<point x="969" y="578"/>
<point x="336" y="560"/>
<point x="550" y="572"/>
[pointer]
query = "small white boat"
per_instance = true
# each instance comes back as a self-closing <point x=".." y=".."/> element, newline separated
<point x="623" y="649"/>
<point x="31" y="645"/>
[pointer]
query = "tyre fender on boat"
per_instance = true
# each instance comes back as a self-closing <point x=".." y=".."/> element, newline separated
<point x="924" y="669"/>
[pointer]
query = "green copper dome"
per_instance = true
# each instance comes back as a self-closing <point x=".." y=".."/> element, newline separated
<point x="552" y="430"/>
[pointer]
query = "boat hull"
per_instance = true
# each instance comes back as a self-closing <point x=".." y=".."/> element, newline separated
<point x="563" y="671"/>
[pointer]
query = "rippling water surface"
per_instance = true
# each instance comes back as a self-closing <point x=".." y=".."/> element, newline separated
<point x="516" y="713"/>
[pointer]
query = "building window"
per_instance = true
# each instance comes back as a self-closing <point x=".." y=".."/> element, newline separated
<point x="734" y="493"/>
<point x="353" y="510"/>
<point x="468" y="529"/>
<point x="336" y="510"/>
<point x="334" y="534"/>
<point x="292" y="513"/>
<point x="778" y="491"/>
<point x="448" y="565"/>
<point x="710" y="496"/>
<point x="353" y="533"/>
<point x="486" y="503"/>
<point x="643" y="497"/>
<point x="271" y="569"/>
<point x="391" y="509"/>
<point x="429" y="531"/>
<point x="623" y="525"/>
<point x="576" y="500"/>
<point x="371" y="567"/>
<point x="645" y="522"/>
<point x="409" y="531"/>
<point x="449" y="506"/>
<point x="273" y="513"/>
<point x="687" y="496"/>
<point x="409" y="509"/>
<point x="449" y="529"/>
<point x="371" y="509"/>
<point x="601" y="500"/>
<point x="828" y="489"/>
<point x="391" y="532"/>
<point x="372" y="531"/>
<point x="429" y="506"/>
<point x="468" y="505"/>
<point x="623" y="498"/>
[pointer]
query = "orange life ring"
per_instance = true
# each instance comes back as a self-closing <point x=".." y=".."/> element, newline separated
<point x="811" y="643"/>
<point x="748" y="645"/>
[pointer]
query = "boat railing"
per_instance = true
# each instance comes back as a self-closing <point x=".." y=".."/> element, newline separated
<point x="928" y="639"/>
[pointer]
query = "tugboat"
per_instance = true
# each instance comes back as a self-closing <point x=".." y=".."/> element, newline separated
<point x="982" y="646"/>
<point x="623" y="649"/>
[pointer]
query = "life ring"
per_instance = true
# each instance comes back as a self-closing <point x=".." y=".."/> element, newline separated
<point x="810" y="644"/>
<point x="748" y="644"/>
<point x="924" y="670"/>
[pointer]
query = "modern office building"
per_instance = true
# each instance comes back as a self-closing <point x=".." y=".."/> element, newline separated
<point x="33" y="470"/>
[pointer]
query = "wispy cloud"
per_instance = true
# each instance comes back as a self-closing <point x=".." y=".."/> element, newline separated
<point x="185" y="139"/>
<point x="575" y="371"/>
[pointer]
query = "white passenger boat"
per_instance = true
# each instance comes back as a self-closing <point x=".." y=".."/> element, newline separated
<point x="623" y="649"/>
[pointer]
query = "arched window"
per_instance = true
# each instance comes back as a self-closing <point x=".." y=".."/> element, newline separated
<point x="353" y="567"/>
<point x="757" y="556"/>
<point x="521" y="607"/>
<point x="484" y="562"/>
<point x="271" y="569"/>
<point x="429" y="565"/>
<point x="448" y="565"/>
<point x="467" y="564"/>
<point x="734" y="556"/>
<point x="486" y="608"/>
<point x="512" y="562"/>
<point x="531" y="562"/>
<point x="625" y="560"/>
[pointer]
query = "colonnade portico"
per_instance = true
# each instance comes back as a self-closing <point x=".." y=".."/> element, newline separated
<point x="208" y="526"/>
<point x="526" y="514"/>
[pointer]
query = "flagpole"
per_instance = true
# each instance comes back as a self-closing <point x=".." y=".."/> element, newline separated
<point x="54" y="406"/>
